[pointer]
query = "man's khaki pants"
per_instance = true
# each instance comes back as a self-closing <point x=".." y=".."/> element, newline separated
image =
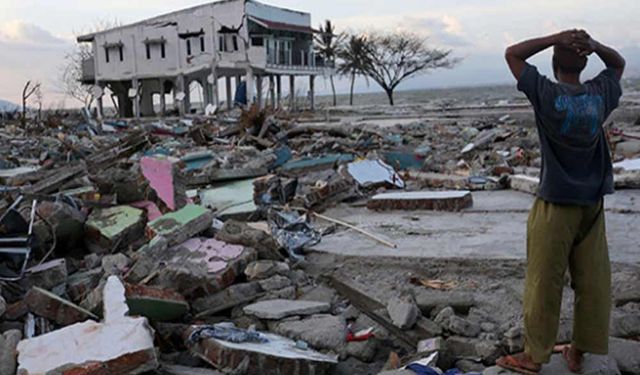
<point x="561" y="237"/>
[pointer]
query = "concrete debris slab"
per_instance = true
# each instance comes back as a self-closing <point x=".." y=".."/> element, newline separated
<point x="155" y="303"/>
<point x="233" y="199"/>
<point x="163" y="177"/>
<point x="48" y="275"/>
<point x="50" y="306"/>
<point x="278" y="356"/>
<point x="525" y="184"/>
<point x="119" y="345"/>
<point x="403" y="312"/>
<point x="279" y="308"/>
<point x="113" y="228"/>
<point x="628" y="164"/>
<point x="263" y="269"/>
<point x="181" y="225"/>
<point x="627" y="355"/>
<point x="428" y="200"/>
<point x="371" y="173"/>
<point x="320" y="331"/>
<point x="8" y="351"/>
<point x="166" y="369"/>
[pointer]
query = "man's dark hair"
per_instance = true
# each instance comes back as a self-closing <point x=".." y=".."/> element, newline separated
<point x="568" y="61"/>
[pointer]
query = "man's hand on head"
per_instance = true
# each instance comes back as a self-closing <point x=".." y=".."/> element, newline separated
<point x="585" y="44"/>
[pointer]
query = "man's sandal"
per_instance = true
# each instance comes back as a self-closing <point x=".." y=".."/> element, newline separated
<point x="576" y="369"/>
<point x="513" y="364"/>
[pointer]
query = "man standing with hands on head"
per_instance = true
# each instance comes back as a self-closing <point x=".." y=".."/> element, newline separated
<point x="566" y="226"/>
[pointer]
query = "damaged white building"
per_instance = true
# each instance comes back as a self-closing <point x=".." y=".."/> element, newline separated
<point x="217" y="47"/>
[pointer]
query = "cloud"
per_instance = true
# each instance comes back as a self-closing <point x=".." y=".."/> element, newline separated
<point x="445" y="30"/>
<point x="25" y="33"/>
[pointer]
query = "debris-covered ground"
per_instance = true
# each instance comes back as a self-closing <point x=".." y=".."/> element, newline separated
<point x="262" y="243"/>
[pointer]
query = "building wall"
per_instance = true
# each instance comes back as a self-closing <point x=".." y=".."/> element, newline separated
<point x="208" y="18"/>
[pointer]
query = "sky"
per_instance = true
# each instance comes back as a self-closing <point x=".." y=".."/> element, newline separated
<point x="35" y="35"/>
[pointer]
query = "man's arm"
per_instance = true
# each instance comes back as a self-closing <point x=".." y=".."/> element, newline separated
<point x="611" y="58"/>
<point x="517" y="54"/>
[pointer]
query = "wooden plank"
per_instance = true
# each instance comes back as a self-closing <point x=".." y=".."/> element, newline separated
<point x="422" y="200"/>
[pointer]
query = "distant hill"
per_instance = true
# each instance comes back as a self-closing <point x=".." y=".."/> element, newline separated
<point x="6" y="106"/>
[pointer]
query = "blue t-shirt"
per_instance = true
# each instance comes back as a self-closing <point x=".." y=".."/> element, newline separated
<point x="576" y="162"/>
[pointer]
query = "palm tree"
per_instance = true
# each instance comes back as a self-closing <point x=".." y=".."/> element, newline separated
<point x="354" y="59"/>
<point x="328" y="45"/>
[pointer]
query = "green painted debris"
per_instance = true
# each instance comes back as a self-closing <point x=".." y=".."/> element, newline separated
<point x="234" y="198"/>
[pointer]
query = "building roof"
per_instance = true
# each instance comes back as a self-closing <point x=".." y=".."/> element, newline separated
<point x="90" y="37"/>
<point x="271" y="25"/>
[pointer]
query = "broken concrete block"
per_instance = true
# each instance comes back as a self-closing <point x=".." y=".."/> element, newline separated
<point x="428" y="200"/>
<point x="628" y="180"/>
<point x="50" y="306"/>
<point x="362" y="350"/>
<point x="115" y="264"/>
<point x="67" y="223"/>
<point x="154" y="303"/>
<point x="231" y="200"/>
<point x="514" y="339"/>
<point x="321" y="293"/>
<point x="463" y="327"/>
<point x="228" y="298"/>
<point x="465" y="347"/>
<point x="525" y="184"/>
<point x="164" y="177"/>
<point x="444" y="315"/>
<point x="201" y="266"/>
<point x="625" y="325"/>
<point x="403" y="311"/>
<point x="181" y="225"/>
<point x="274" y="283"/>
<point x="81" y="283"/>
<point x="278" y="356"/>
<point x="320" y="331"/>
<point x="627" y="355"/>
<point x="427" y="327"/>
<point x="428" y="300"/>
<point x="119" y="345"/>
<point x="114" y="228"/>
<point x="48" y="275"/>
<point x="8" y="351"/>
<point x="435" y="344"/>
<point x="279" y="309"/>
<point x="263" y="269"/>
<point x="167" y="369"/>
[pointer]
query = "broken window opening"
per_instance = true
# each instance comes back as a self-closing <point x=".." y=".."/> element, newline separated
<point x="257" y="41"/>
<point x="163" y="53"/>
<point x="148" y="52"/>
<point x="188" y="47"/>
<point x="121" y="53"/>
<point x="234" y="40"/>
<point x="106" y="54"/>
<point x="202" y="44"/>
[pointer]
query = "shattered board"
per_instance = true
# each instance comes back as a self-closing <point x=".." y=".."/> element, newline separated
<point x="373" y="173"/>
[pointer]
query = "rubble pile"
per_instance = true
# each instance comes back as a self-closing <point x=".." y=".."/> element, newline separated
<point x="178" y="246"/>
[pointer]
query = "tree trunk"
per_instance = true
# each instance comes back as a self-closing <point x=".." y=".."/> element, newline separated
<point x="24" y="112"/>
<point x="390" y="95"/>
<point x="333" y="90"/>
<point x="353" y="80"/>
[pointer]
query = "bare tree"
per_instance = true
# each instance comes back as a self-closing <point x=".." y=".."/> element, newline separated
<point x="393" y="58"/>
<point x="70" y="79"/>
<point x="28" y="91"/>
<point x="328" y="45"/>
<point x="353" y="60"/>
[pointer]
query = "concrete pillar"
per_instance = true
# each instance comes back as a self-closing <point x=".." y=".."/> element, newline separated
<point x="250" y="86"/>
<point x="135" y="85"/>
<point x="179" y="88"/>
<point x="279" y="90"/>
<point x="292" y="93"/>
<point x="146" y="99"/>
<point x="163" y="101"/>
<point x="312" y="94"/>
<point x="227" y="80"/>
<point x="100" y="102"/>
<point x="259" y="92"/>
<point x="214" y="87"/>
<point x="272" y="91"/>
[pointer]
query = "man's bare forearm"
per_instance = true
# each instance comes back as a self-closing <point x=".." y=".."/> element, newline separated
<point x="611" y="58"/>
<point x="528" y="48"/>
